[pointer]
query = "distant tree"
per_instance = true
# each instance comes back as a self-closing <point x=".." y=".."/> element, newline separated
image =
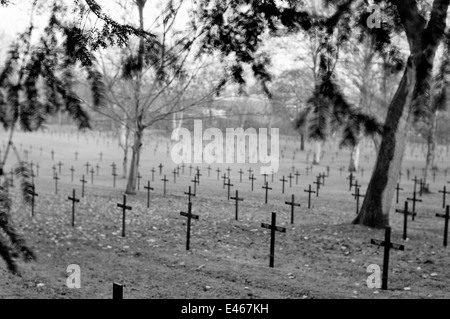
<point x="438" y="103"/>
<point x="148" y="81"/>
<point x="234" y="28"/>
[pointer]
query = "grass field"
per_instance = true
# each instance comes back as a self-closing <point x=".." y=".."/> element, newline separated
<point x="320" y="256"/>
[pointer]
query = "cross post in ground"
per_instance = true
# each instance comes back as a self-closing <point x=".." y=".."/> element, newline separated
<point x="83" y="181"/>
<point x="252" y="179"/>
<point x="444" y="193"/>
<point x="387" y="248"/>
<point x="283" y="181"/>
<point x="293" y="204"/>
<point x="189" y="194"/>
<point x="124" y="209"/>
<point x="74" y="200"/>
<point x="357" y="196"/>
<point x="405" y="213"/>
<point x="267" y="188"/>
<point x="309" y="191"/>
<point x="189" y="216"/>
<point x="273" y="228"/>
<point x="447" y="217"/>
<point x="148" y="188"/>
<point x="165" y="180"/>
<point x="237" y="199"/>
<point x="414" y="200"/>
<point x="33" y="194"/>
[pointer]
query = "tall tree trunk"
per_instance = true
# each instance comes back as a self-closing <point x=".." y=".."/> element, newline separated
<point x="135" y="159"/>
<point x="123" y="142"/>
<point x="138" y="125"/>
<point x="377" y="202"/>
<point x="354" y="159"/>
<point x="302" y="142"/>
<point x="317" y="152"/>
<point x="431" y="149"/>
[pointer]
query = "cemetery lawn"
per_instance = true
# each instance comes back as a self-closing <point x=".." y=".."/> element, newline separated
<point x="321" y="256"/>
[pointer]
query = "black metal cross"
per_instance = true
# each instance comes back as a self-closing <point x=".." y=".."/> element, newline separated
<point x="189" y="216"/>
<point x="323" y="176"/>
<point x="33" y="194"/>
<point x="387" y="247"/>
<point x="195" y="181"/>
<point x="76" y="155"/>
<point x="228" y="171"/>
<point x="356" y="185"/>
<point x="209" y="170"/>
<point x="283" y="181"/>
<point x="351" y="178"/>
<point x="253" y="179"/>
<point x="317" y="183"/>
<point x="124" y="209"/>
<point x="290" y="179"/>
<point x="153" y="174"/>
<point x="292" y="204"/>
<point x="83" y="181"/>
<point x="444" y="193"/>
<point x="267" y="188"/>
<point x="92" y="175"/>
<point x="414" y="200"/>
<point x="309" y="195"/>
<point x="273" y="228"/>
<point x="189" y="194"/>
<point x="228" y="184"/>
<point x="174" y="176"/>
<point x="447" y="217"/>
<point x="357" y="196"/>
<point x="237" y="199"/>
<point x="56" y="178"/>
<point x="224" y="178"/>
<point x="160" y="169"/>
<point x="113" y="165"/>
<point x="308" y="169"/>
<point x="98" y="169"/>
<point x="240" y="175"/>
<point x="405" y="213"/>
<point x="250" y="171"/>
<point x="59" y="167"/>
<point x="165" y="180"/>
<point x="297" y="174"/>
<point x="72" y="170"/>
<point x="218" y="173"/>
<point x="87" y="165"/>
<point x="74" y="200"/>
<point x="148" y="188"/>
<point x="197" y="174"/>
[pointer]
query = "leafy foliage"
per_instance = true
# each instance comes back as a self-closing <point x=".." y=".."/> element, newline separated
<point x="236" y="28"/>
<point x="37" y="81"/>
